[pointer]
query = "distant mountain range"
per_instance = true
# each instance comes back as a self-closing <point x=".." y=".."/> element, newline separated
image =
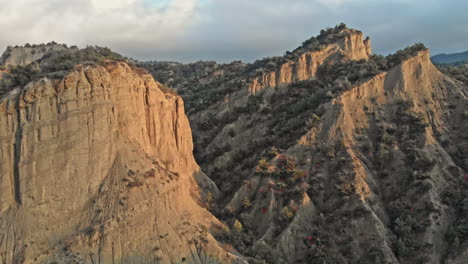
<point x="452" y="58"/>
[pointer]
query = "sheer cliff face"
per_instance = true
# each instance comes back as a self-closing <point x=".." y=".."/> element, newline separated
<point x="98" y="168"/>
<point x="350" y="46"/>
<point x="385" y="165"/>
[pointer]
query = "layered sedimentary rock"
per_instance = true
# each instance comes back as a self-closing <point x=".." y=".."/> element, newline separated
<point x="384" y="175"/>
<point x="98" y="168"/>
<point x="378" y="155"/>
<point x="349" y="46"/>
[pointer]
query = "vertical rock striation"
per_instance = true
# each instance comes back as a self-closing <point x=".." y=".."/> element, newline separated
<point x="385" y="165"/>
<point x="98" y="168"/>
<point x="349" y="46"/>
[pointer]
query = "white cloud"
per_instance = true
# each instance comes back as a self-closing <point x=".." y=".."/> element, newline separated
<point x="112" y="4"/>
<point x="103" y="22"/>
<point x="225" y="30"/>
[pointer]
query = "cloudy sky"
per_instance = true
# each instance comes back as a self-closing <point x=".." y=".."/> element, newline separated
<point x="225" y="30"/>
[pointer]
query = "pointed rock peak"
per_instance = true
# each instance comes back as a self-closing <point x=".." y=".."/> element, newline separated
<point x="335" y="35"/>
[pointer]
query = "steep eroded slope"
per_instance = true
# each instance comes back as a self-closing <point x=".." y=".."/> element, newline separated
<point x="380" y="177"/>
<point x="98" y="168"/>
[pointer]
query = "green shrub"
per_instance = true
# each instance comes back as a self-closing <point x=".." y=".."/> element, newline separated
<point x="237" y="226"/>
<point x="22" y="75"/>
<point x="459" y="72"/>
<point x="263" y="251"/>
<point x="246" y="203"/>
<point x="55" y="64"/>
<point x="65" y="60"/>
<point x="89" y="230"/>
<point x="401" y="55"/>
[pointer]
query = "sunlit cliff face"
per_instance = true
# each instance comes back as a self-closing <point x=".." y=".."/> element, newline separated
<point x="351" y="46"/>
<point x="100" y="163"/>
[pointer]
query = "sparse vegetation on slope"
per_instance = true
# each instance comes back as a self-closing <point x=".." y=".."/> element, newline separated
<point x="285" y="114"/>
<point x="457" y="72"/>
<point x="234" y="135"/>
<point x="55" y="64"/>
<point x="363" y="161"/>
<point x="201" y="84"/>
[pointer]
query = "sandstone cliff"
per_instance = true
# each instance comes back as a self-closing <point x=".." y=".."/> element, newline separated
<point x="349" y="46"/>
<point x="375" y="173"/>
<point x="363" y="163"/>
<point x="205" y="84"/>
<point x="98" y="168"/>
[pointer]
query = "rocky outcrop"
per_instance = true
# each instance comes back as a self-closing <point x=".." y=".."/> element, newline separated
<point x="349" y="46"/>
<point x="98" y="168"/>
<point x="22" y="56"/>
